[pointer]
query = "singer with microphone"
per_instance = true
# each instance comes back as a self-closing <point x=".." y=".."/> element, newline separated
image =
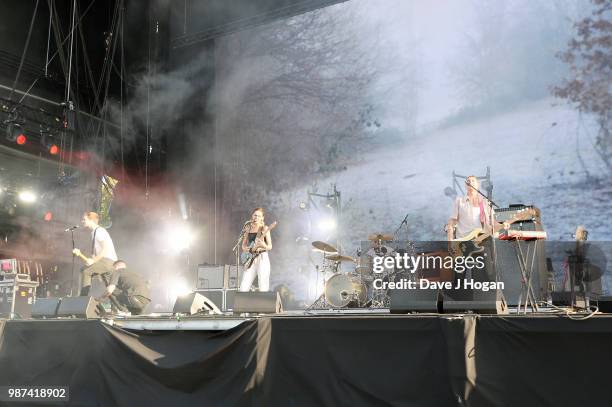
<point x="469" y="212"/>
<point x="256" y="239"/>
<point x="103" y="253"/>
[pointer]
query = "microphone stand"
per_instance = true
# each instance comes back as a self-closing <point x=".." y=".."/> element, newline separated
<point x="404" y="222"/>
<point x="490" y="204"/>
<point x="72" y="272"/>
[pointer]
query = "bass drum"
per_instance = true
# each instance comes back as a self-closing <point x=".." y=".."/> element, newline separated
<point x="342" y="290"/>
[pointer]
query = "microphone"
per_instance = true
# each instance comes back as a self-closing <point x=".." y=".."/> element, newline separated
<point x="71" y="228"/>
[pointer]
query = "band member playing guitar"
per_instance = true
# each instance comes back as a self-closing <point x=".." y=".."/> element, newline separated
<point x="101" y="262"/>
<point x="469" y="212"/>
<point x="256" y="242"/>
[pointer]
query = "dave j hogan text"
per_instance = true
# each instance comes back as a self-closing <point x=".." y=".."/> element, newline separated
<point x="425" y="284"/>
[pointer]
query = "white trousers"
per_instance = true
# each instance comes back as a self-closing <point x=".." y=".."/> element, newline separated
<point x="259" y="268"/>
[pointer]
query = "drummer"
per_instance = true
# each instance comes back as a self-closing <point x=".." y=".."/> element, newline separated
<point x="379" y="248"/>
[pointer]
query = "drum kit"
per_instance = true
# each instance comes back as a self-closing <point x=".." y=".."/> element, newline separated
<point x="355" y="289"/>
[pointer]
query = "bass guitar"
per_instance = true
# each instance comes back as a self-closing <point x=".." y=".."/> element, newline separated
<point x="247" y="258"/>
<point x="470" y="244"/>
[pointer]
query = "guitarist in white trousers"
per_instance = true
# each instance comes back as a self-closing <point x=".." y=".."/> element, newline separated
<point x="257" y="240"/>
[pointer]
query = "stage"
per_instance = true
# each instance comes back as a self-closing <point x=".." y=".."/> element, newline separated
<point x="319" y="358"/>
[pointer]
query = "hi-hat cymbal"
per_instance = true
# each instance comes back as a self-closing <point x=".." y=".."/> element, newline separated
<point x="380" y="236"/>
<point x="324" y="247"/>
<point x="338" y="257"/>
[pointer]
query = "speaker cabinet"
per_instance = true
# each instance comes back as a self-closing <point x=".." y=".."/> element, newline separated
<point x="195" y="303"/>
<point x="46" y="307"/>
<point x="257" y="302"/>
<point x="415" y="300"/>
<point x="78" y="307"/>
<point x="476" y="301"/>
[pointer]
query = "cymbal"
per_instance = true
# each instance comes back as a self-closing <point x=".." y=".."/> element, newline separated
<point x="338" y="257"/>
<point x="324" y="247"/>
<point x="380" y="236"/>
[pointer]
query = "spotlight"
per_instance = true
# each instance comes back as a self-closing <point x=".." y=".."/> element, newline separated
<point x="48" y="216"/>
<point x="177" y="288"/>
<point x="27" y="196"/>
<point x="14" y="133"/>
<point x="48" y="141"/>
<point x="179" y="237"/>
<point x="327" y="225"/>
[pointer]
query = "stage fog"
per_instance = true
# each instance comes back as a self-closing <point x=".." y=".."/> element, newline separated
<point x="384" y="101"/>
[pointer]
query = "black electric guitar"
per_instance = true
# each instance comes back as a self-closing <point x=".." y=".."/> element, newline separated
<point x="470" y="244"/>
<point x="247" y="258"/>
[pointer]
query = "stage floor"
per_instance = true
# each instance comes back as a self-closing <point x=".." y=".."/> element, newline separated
<point x="319" y="358"/>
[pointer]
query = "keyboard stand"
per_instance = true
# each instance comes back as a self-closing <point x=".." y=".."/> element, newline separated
<point x="527" y="293"/>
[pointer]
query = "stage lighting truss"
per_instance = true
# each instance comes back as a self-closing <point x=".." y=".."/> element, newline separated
<point x="22" y="123"/>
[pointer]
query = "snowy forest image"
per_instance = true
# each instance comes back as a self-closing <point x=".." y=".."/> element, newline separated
<point x="383" y="101"/>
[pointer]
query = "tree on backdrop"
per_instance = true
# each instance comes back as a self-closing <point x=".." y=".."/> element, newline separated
<point x="589" y="83"/>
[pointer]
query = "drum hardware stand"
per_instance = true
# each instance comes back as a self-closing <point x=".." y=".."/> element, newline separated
<point x="321" y="301"/>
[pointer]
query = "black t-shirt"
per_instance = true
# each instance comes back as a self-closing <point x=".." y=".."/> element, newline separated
<point x="130" y="283"/>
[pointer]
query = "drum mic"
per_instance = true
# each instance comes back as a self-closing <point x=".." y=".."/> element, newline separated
<point x="344" y="294"/>
<point x="71" y="228"/>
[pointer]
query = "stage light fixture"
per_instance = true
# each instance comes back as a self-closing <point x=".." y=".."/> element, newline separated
<point x="179" y="237"/>
<point x="14" y="133"/>
<point x="327" y="224"/>
<point x="48" y="216"/>
<point x="48" y="140"/>
<point x="27" y="196"/>
<point x="177" y="287"/>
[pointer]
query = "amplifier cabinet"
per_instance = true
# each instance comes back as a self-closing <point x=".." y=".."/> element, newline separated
<point x="212" y="277"/>
<point x="17" y="297"/>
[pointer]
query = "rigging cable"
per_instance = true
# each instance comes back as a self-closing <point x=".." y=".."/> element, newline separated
<point x="25" y="50"/>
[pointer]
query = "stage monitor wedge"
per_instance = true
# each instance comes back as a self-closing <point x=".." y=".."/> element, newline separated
<point x="476" y="301"/>
<point x="78" y="307"/>
<point x="195" y="303"/>
<point x="46" y="307"/>
<point x="414" y="300"/>
<point x="257" y="302"/>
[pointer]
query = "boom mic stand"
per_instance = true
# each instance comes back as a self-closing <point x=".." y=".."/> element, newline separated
<point x="72" y="271"/>
<point x="490" y="205"/>
<point x="404" y="222"/>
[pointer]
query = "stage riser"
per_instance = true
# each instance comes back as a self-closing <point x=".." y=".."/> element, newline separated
<point x="340" y="360"/>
